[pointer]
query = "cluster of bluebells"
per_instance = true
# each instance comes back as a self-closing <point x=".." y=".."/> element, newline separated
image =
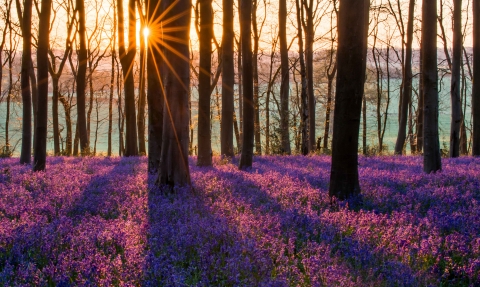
<point x="102" y="222"/>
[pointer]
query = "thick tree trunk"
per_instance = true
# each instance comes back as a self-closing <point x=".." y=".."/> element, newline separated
<point x="204" y="124"/>
<point x="127" y="58"/>
<point x="25" y="155"/>
<point x="228" y="80"/>
<point x="40" y="149"/>
<point x="476" y="77"/>
<point x="246" y="158"/>
<point x="351" y="56"/>
<point x="81" y="80"/>
<point x="407" y="83"/>
<point x="457" y="117"/>
<point x="155" y="91"/>
<point x="431" y="158"/>
<point x="285" y="82"/>
<point x="174" y="169"/>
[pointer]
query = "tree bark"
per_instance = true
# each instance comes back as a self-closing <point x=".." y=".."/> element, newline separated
<point x="285" y="82"/>
<point x="40" y="149"/>
<point x="456" y="119"/>
<point x="303" y="75"/>
<point x="351" y="56"/>
<point x="81" y="80"/>
<point x="228" y="80"/>
<point x="155" y="91"/>
<point x="309" y="39"/>
<point x="25" y="155"/>
<point x="142" y="150"/>
<point x="174" y="169"/>
<point x="476" y="77"/>
<point x="246" y="158"/>
<point x="127" y="58"/>
<point x="407" y="83"/>
<point x="256" y="99"/>
<point x="204" y="78"/>
<point x="431" y="158"/>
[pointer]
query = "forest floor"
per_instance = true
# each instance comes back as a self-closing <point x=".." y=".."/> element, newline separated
<point x="100" y="222"/>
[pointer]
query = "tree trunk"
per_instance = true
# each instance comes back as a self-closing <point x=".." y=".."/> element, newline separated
<point x="81" y="80"/>
<point x="364" y="125"/>
<point x="457" y="117"/>
<point x="56" y="131"/>
<point x="112" y="84"/>
<point x="127" y="58"/>
<point x="174" y="169"/>
<point x="309" y="39"/>
<point x="155" y="91"/>
<point x="407" y="83"/>
<point x="40" y="149"/>
<point x="68" y="122"/>
<point x="25" y="155"/>
<point x="204" y="129"/>
<point x="246" y="158"/>
<point x="142" y="150"/>
<point x="285" y="82"/>
<point x="304" y="111"/>
<point x="431" y="158"/>
<point x="228" y="80"/>
<point x="351" y="56"/>
<point x="476" y="75"/>
<point x="256" y="100"/>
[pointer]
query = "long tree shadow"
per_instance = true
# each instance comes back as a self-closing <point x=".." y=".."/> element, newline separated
<point x="77" y="233"/>
<point x="362" y="260"/>
<point x="189" y="244"/>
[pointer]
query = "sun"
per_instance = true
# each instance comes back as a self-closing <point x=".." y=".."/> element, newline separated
<point x="146" y="32"/>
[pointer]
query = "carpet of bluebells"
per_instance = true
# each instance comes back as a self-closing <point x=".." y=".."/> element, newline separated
<point x="101" y="222"/>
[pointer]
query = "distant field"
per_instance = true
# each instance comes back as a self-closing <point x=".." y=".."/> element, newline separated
<point x="100" y="222"/>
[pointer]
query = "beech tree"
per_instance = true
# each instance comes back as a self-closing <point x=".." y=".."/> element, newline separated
<point x="25" y="155"/>
<point x="406" y="91"/>
<point x="127" y="58"/>
<point x="247" y="80"/>
<point x="204" y="78"/>
<point x="40" y="149"/>
<point x="228" y="80"/>
<point x="81" y="80"/>
<point x="285" y="81"/>
<point x="457" y="117"/>
<point x="476" y="77"/>
<point x="351" y="60"/>
<point x="431" y="144"/>
<point x="173" y="169"/>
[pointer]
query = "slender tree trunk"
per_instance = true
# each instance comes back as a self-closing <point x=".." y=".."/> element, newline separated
<point x="142" y="93"/>
<point x="431" y="158"/>
<point x="407" y="83"/>
<point x="351" y="56"/>
<point x="40" y="149"/>
<point x="127" y="58"/>
<point x="228" y="80"/>
<point x="112" y="86"/>
<point x="420" y="107"/>
<point x="256" y="99"/>
<point x="240" y="89"/>
<point x="204" y="124"/>
<point x="25" y="155"/>
<point x="68" y="123"/>
<point x="174" y="169"/>
<point x="309" y="39"/>
<point x="56" y="130"/>
<point x="285" y="82"/>
<point x="304" y="111"/>
<point x="456" y="119"/>
<point x="364" y="125"/>
<point x="81" y="80"/>
<point x="476" y="76"/>
<point x="246" y="158"/>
